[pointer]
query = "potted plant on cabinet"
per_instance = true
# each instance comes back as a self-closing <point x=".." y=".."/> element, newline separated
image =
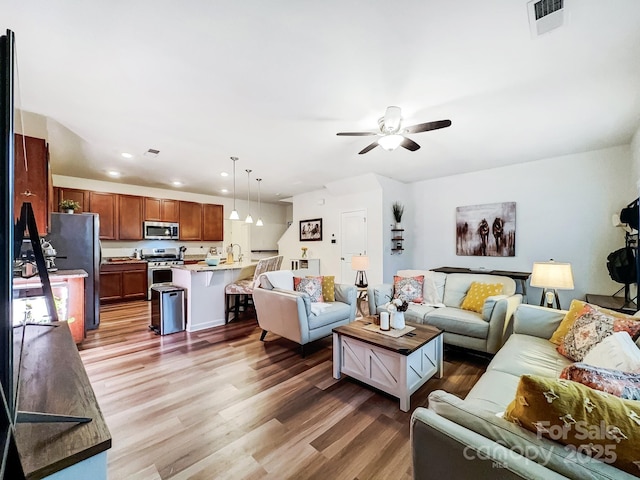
<point x="69" y="206"/>
<point x="398" y="211"/>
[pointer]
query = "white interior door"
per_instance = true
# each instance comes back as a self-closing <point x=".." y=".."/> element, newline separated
<point x="353" y="228"/>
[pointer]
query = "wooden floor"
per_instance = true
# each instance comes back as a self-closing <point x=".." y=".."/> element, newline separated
<point x="222" y="404"/>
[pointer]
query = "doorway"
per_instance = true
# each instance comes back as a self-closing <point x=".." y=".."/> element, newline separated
<point x="353" y="228"/>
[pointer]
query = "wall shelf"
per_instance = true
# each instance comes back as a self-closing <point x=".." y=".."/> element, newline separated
<point x="396" y="240"/>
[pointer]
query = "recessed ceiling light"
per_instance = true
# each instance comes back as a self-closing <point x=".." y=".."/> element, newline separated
<point x="113" y="173"/>
<point x="176" y="183"/>
<point x="224" y="174"/>
<point x="224" y="190"/>
<point x="127" y="155"/>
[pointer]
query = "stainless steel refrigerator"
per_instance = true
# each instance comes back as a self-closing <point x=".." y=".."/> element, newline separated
<point x="77" y="242"/>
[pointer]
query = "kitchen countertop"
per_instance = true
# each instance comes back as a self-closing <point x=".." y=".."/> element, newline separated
<point x="206" y="268"/>
<point x="53" y="276"/>
<point x="119" y="260"/>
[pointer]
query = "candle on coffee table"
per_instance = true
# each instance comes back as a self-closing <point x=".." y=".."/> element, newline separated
<point x="384" y="320"/>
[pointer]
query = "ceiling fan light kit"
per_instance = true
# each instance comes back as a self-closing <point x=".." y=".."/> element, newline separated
<point x="391" y="133"/>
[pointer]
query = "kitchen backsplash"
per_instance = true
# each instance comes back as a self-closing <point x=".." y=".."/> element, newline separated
<point x="126" y="249"/>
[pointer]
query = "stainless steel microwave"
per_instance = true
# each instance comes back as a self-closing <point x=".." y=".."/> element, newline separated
<point x="161" y="231"/>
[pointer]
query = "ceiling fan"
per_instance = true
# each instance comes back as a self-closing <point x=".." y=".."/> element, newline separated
<point x="392" y="134"/>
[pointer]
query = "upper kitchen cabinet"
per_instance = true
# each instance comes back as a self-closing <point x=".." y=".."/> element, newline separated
<point x="212" y="222"/>
<point x="161" y="210"/>
<point x="190" y="221"/>
<point x="130" y="217"/>
<point x="80" y="196"/>
<point x="31" y="179"/>
<point x="105" y="205"/>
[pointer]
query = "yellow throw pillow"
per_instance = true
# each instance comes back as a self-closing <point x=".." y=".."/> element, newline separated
<point x="576" y="308"/>
<point x="329" y="288"/>
<point x="588" y="421"/>
<point x="478" y="293"/>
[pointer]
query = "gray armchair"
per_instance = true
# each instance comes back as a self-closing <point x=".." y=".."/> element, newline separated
<point x="290" y="314"/>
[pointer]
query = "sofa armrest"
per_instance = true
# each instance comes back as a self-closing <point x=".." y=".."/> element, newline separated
<point x="347" y="293"/>
<point x="537" y="321"/>
<point x="500" y="318"/>
<point x="282" y="312"/>
<point x="379" y="295"/>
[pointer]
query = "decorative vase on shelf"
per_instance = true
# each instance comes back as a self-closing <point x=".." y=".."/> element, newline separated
<point x="397" y="320"/>
<point x="398" y="226"/>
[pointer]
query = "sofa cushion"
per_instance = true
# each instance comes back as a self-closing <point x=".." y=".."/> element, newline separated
<point x="617" y="351"/>
<point x="478" y="293"/>
<point x="408" y="288"/>
<point x="595" y="423"/>
<point x="329" y="288"/>
<point x="458" y="285"/>
<point x="618" y="383"/>
<point x="416" y="313"/>
<point x="434" y="282"/>
<point x="523" y="354"/>
<point x="332" y="313"/>
<point x="458" y="321"/>
<point x="493" y="391"/>
<point x="282" y="279"/>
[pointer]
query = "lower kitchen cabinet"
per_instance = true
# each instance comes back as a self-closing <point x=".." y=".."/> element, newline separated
<point x="123" y="282"/>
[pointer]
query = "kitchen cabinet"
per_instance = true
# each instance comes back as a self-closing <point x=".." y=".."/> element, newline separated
<point x="212" y="222"/>
<point x="80" y="196"/>
<point x="105" y="205"/>
<point x="190" y="221"/>
<point x="130" y="215"/>
<point x="122" y="282"/>
<point x="31" y="180"/>
<point x="161" y="210"/>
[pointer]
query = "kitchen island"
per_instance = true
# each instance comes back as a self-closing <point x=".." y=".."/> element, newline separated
<point x="204" y="290"/>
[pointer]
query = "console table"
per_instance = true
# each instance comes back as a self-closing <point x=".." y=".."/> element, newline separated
<point x="612" y="303"/>
<point x="519" y="277"/>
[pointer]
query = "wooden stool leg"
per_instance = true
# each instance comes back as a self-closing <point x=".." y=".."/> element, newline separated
<point x="226" y="309"/>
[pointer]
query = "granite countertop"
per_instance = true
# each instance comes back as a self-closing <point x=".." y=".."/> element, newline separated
<point x="118" y="260"/>
<point x="203" y="267"/>
<point x="53" y="276"/>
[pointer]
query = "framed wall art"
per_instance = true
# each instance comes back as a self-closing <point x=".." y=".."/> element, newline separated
<point x="486" y="230"/>
<point x="311" y="230"/>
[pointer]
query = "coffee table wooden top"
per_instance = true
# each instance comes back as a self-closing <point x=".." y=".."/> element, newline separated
<point x="404" y="345"/>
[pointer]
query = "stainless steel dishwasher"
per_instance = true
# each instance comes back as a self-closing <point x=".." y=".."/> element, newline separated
<point x="167" y="309"/>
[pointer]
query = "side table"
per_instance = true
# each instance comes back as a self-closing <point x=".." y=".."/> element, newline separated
<point x="612" y="303"/>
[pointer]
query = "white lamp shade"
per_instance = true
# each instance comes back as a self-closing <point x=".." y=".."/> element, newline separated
<point x="552" y="275"/>
<point x="359" y="262"/>
<point x="234" y="215"/>
<point x="390" y="142"/>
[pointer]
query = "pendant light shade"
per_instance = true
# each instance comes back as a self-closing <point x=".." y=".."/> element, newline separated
<point x="234" y="213"/>
<point x="259" y="223"/>
<point x="249" y="218"/>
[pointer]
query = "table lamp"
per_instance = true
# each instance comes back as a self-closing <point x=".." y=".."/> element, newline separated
<point x="360" y="263"/>
<point x="551" y="276"/>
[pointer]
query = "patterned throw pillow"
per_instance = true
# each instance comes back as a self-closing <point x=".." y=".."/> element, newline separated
<point x="621" y="384"/>
<point x="575" y="310"/>
<point x="592" y="422"/>
<point x="312" y="286"/>
<point x="589" y="329"/>
<point x="478" y="293"/>
<point x="409" y="288"/>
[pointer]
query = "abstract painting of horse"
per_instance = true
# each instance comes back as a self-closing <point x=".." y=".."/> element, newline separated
<point x="486" y="230"/>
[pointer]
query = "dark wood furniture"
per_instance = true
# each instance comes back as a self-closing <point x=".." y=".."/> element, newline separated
<point x="105" y="205"/>
<point x="212" y="222"/>
<point x="161" y="210"/>
<point x="130" y="217"/>
<point x="612" y="303"/>
<point x="519" y="277"/>
<point x="53" y="380"/>
<point x="396" y="240"/>
<point x="123" y="281"/>
<point x="80" y="196"/>
<point x="32" y="180"/>
<point x="190" y="221"/>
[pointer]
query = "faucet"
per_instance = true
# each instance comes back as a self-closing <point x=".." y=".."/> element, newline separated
<point x="239" y="251"/>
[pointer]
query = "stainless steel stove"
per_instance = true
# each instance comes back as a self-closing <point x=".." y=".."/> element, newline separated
<point x="159" y="263"/>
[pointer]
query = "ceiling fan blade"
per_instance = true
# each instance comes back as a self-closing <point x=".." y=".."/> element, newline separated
<point x="425" y="127"/>
<point x="409" y="144"/>
<point x="356" y="134"/>
<point x="369" y="148"/>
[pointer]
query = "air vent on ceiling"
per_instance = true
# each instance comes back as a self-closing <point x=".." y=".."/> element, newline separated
<point x="545" y="15"/>
<point x="152" y="152"/>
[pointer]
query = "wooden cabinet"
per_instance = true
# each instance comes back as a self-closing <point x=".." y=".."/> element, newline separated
<point x="121" y="282"/>
<point x="31" y="179"/>
<point x="80" y="196"/>
<point x="212" y="222"/>
<point x="130" y="215"/>
<point x="161" y="210"/>
<point x="190" y="221"/>
<point x="105" y="205"/>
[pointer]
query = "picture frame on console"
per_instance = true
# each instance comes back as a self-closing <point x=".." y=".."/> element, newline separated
<point x="311" y="230"/>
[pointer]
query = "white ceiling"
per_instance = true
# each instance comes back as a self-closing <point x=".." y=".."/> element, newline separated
<point x="272" y="82"/>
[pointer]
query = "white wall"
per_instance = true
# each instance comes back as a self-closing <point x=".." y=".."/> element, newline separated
<point x="635" y="152"/>
<point x="563" y="211"/>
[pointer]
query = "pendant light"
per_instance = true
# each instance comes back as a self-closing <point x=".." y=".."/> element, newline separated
<point x="259" y="223"/>
<point x="249" y="218"/>
<point x="234" y="213"/>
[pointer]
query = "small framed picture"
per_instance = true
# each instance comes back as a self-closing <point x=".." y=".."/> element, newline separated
<point x="311" y="230"/>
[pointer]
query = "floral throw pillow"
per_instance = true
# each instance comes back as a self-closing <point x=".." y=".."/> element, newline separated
<point x="621" y="384"/>
<point x="589" y="329"/>
<point x="409" y="288"/>
<point x="312" y="286"/>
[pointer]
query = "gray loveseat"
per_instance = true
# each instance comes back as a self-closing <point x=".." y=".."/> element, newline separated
<point x="484" y="332"/>
<point x="462" y="439"/>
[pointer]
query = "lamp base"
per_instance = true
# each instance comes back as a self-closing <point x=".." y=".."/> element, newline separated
<point x="361" y="279"/>
<point x="548" y="295"/>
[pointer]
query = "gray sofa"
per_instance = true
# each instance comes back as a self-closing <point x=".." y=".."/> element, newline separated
<point x="484" y="332"/>
<point x="289" y="314"/>
<point x="462" y="439"/>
